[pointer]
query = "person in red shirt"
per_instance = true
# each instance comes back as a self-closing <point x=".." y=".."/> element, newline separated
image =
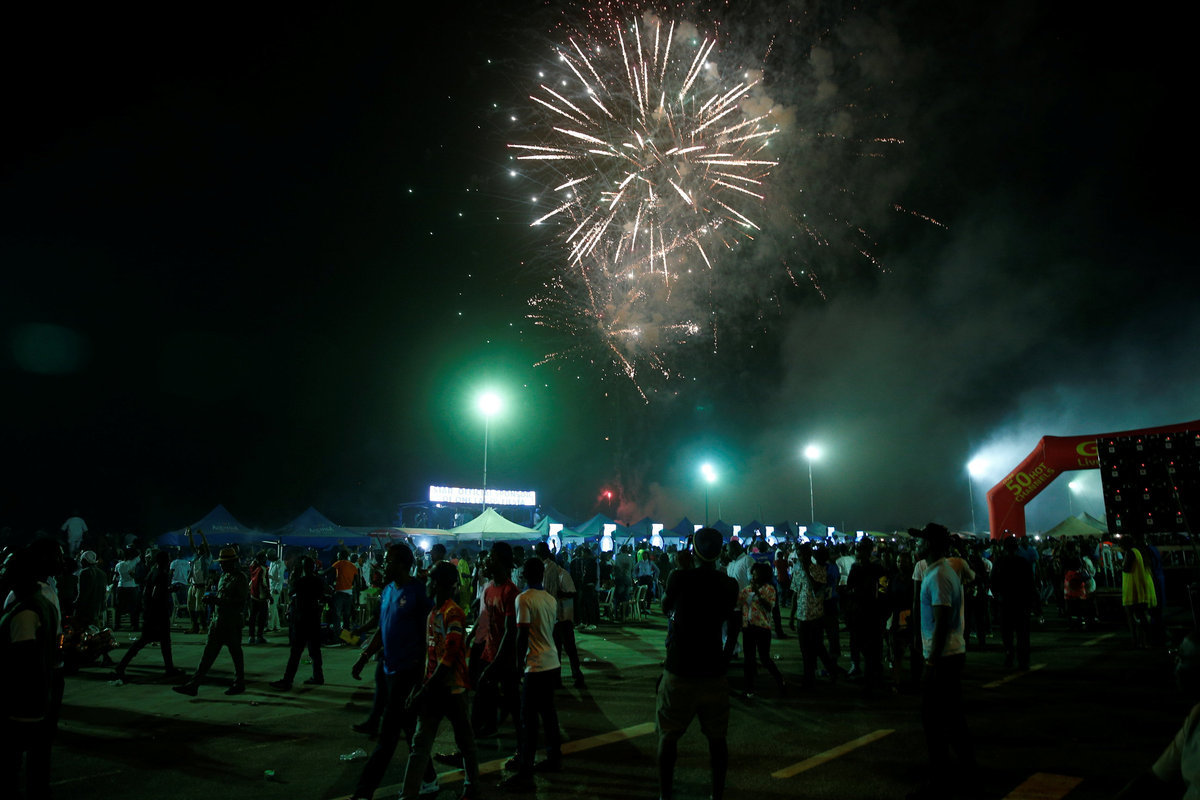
<point x="498" y="683"/>
<point x="344" y="572"/>
<point x="260" y="598"/>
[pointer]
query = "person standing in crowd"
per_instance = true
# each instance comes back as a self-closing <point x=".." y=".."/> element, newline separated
<point x="444" y="691"/>
<point x="867" y="587"/>
<point x="275" y="578"/>
<point x="756" y="603"/>
<point x="125" y="581"/>
<point x="700" y="601"/>
<point x="645" y="573"/>
<point x="832" y="601"/>
<point x="1137" y="593"/>
<point x="93" y="586"/>
<point x="260" y="598"/>
<point x="344" y="572"/>
<point x="809" y="582"/>
<point x="537" y="611"/>
<point x="403" y="612"/>
<point x="497" y="687"/>
<point x="157" y="597"/>
<point x="198" y="580"/>
<point x="180" y="567"/>
<point x="558" y="584"/>
<point x="233" y="590"/>
<point x="1013" y="586"/>
<point x="75" y="528"/>
<point x="944" y="648"/>
<point x="309" y="594"/>
<point x="586" y="575"/>
<point x="1153" y="561"/>
<point x="30" y="693"/>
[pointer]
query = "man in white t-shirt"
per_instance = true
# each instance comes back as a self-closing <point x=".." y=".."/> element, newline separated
<point x="537" y="611"/>
<point x="945" y="652"/>
<point x="75" y="528"/>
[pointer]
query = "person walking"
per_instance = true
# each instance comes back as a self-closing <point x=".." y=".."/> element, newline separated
<point x="403" y="613"/>
<point x="756" y="603"/>
<point x="309" y="593"/>
<point x="158" y="603"/>
<point x="699" y="602"/>
<point x="443" y="693"/>
<point x="233" y="590"/>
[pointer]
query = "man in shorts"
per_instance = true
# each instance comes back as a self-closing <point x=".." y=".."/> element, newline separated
<point x="693" y="682"/>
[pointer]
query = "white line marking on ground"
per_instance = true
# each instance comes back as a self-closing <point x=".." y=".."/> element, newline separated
<point x="830" y="755"/>
<point x="1014" y="676"/>
<point x="1044" y="786"/>
<point x="1098" y="639"/>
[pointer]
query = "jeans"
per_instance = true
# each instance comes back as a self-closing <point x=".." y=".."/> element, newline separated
<point x="453" y="707"/>
<point x="564" y="639"/>
<point x="398" y="723"/>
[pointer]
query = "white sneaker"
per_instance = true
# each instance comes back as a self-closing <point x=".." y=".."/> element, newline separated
<point x="430" y="787"/>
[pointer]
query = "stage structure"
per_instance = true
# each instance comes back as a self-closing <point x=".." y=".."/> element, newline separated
<point x="1151" y="478"/>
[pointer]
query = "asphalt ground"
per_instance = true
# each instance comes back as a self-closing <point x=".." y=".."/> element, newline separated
<point x="1088" y="717"/>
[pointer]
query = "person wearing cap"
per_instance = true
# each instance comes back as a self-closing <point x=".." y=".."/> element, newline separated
<point x="699" y="601"/>
<point x="233" y="591"/>
<point x="944" y="648"/>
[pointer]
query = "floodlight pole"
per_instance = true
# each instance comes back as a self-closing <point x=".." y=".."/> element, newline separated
<point x="971" y="494"/>
<point x="486" y="420"/>
<point x="812" y="503"/>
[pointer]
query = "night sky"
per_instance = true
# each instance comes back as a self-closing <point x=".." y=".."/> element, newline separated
<point x="269" y="261"/>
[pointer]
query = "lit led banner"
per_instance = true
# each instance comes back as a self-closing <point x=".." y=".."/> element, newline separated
<point x="474" y="497"/>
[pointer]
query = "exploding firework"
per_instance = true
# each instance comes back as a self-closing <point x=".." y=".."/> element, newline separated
<point x="656" y="162"/>
<point x="657" y="159"/>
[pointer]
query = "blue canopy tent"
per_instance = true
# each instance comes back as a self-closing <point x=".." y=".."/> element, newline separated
<point x="219" y="527"/>
<point x="683" y="529"/>
<point x="313" y="529"/>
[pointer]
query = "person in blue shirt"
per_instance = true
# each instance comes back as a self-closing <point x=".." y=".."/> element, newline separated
<point x="404" y="608"/>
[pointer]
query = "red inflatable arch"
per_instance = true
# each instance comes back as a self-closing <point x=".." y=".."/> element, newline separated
<point x="1053" y="455"/>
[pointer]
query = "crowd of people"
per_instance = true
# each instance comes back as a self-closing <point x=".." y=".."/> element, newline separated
<point x="482" y="639"/>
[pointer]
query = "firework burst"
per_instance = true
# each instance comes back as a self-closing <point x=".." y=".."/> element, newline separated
<point x="652" y="153"/>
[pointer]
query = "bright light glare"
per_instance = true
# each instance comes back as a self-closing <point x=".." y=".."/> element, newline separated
<point x="490" y="403"/>
<point x="1074" y="486"/>
<point x="709" y="473"/>
<point x="812" y="452"/>
<point x="976" y="466"/>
